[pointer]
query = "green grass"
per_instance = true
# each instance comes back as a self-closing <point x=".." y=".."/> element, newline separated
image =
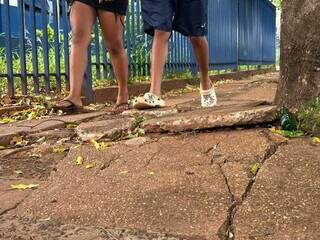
<point x="309" y="117"/>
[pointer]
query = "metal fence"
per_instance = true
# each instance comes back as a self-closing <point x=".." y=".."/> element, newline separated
<point x="36" y="34"/>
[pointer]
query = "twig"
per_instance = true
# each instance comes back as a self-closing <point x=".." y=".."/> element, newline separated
<point x="48" y="120"/>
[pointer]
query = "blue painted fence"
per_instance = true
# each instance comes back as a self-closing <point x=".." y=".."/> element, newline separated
<point x="241" y="32"/>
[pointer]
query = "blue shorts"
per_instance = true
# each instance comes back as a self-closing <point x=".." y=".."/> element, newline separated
<point x="116" y="6"/>
<point x="189" y="17"/>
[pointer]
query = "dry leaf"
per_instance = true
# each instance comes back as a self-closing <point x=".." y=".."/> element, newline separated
<point x="15" y="140"/>
<point x="18" y="172"/>
<point x="7" y="120"/>
<point x="35" y="155"/>
<point x="23" y="186"/>
<point x="2" y="147"/>
<point x="316" y="140"/>
<point x="79" y="160"/>
<point x="59" y="150"/>
<point x="63" y="140"/>
<point x="99" y="146"/>
<point x="91" y="165"/>
<point x="72" y="125"/>
<point x="41" y="140"/>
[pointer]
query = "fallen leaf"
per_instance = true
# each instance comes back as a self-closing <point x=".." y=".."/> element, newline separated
<point x="41" y="140"/>
<point x="23" y="186"/>
<point x="90" y="165"/>
<point x="316" y="140"/>
<point x="63" y="140"/>
<point x="35" y="155"/>
<point x="79" y="160"/>
<point x="71" y="125"/>
<point x="15" y="140"/>
<point x="18" y="172"/>
<point x="59" y="150"/>
<point x="7" y="120"/>
<point x="289" y="134"/>
<point x="99" y="146"/>
<point x="123" y="172"/>
<point x="2" y="147"/>
<point x="254" y="168"/>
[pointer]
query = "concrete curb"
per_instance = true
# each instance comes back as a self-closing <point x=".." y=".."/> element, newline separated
<point x="102" y="95"/>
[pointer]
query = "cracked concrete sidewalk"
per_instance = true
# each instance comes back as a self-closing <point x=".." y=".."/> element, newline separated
<point x="170" y="184"/>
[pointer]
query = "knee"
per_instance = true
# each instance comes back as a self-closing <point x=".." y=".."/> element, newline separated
<point x="80" y="37"/>
<point x="115" y="48"/>
<point x="197" y="41"/>
<point x="162" y="36"/>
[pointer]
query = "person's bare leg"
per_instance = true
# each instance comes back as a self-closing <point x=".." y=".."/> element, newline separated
<point x="159" y="55"/>
<point x="82" y="18"/>
<point x="112" y="29"/>
<point x="201" y="52"/>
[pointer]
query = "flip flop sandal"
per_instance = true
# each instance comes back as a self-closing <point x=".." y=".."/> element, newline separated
<point x="119" y="108"/>
<point x="69" y="109"/>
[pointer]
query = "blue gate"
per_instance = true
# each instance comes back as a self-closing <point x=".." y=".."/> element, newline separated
<point x="35" y="33"/>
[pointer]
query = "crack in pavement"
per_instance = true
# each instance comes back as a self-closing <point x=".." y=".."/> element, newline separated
<point x="13" y="207"/>
<point x="226" y="230"/>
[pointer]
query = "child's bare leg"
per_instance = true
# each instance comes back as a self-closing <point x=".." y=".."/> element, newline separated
<point x="201" y="51"/>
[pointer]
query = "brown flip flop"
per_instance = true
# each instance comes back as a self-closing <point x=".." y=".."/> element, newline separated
<point x="119" y="108"/>
<point x="70" y="108"/>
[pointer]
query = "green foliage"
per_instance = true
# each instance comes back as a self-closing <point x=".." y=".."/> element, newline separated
<point x="278" y="3"/>
<point x="309" y="117"/>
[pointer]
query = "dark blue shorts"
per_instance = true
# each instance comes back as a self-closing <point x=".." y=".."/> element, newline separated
<point x="189" y="17"/>
<point x="116" y="6"/>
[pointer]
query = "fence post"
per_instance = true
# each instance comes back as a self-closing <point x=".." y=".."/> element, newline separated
<point x="22" y="47"/>
<point x="66" y="42"/>
<point x="7" y="26"/>
<point x="56" y="44"/>
<point x="34" y="44"/>
<point x="45" y="47"/>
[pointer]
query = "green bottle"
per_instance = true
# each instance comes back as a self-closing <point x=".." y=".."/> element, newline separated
<point x="288" y="121"/>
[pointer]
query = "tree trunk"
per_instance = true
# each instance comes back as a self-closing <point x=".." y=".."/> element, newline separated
<point x="300" y="53"/>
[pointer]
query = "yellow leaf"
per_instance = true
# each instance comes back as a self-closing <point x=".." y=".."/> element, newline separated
<point x="91" y="165"/>
<point x="72" y="125"/>
<point x="22" y="186"/>
<point x="79" y="160"/>
<point x="99" y="146"/>
<point x="22" y="143"/>
<point x="95" y="144"/>
<point x="7" y="120"/>
<point x="2" y="147"/>
<point x="316" y="140"/>
<point x="16" y="140"/>
<point x="254" y="168"/>
<point x="59" y="150"/>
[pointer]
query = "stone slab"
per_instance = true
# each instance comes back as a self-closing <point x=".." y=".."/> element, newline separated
<point x="212" y="118"/>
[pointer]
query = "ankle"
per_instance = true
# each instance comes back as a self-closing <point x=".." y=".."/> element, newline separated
<point x="206" y="85"/>
<point x="75" y="100"/>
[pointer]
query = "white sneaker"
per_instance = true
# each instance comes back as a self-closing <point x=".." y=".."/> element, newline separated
<point x="208" y="98"/>
<point x="147" y="101"/>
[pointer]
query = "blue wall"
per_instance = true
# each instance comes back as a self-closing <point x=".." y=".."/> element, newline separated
<point x="257" y="31"/>
<point x="14" y="21"/>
